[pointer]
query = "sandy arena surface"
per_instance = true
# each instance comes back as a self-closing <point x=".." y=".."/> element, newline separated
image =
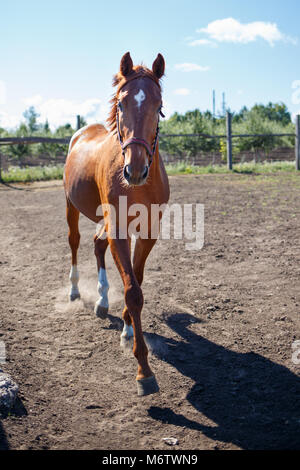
<point x="220" y="324"/>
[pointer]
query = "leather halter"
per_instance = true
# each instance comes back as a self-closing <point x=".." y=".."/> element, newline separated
<point x="136" y="140"/>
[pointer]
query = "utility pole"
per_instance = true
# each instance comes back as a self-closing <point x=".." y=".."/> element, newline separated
<point x="223" y="104"/>
<point x="297" y="142"/>
<point x="229" y="140"/>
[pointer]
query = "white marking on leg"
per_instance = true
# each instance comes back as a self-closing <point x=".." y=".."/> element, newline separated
<point x="103" y="287"/>
<point x="140" y="97"/>
<point x="126" y="337"/>
<point x="74" y="278"/>
<point x="127" y="331"/>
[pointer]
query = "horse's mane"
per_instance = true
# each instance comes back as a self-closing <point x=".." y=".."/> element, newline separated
<point x="119" y="80"/>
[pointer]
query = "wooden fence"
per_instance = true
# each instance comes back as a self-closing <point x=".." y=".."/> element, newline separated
<point x="229" y="137"/>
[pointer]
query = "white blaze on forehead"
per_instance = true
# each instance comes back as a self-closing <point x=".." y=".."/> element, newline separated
<point x="140" y="97"/>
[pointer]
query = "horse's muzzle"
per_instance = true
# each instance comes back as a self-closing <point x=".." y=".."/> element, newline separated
<point x="136" y="178"/>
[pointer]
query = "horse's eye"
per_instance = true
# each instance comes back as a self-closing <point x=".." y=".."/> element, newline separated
<point x="120" y="106"/>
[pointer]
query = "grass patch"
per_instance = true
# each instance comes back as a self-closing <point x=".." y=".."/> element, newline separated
<point x="185" y="168"/>
<point x="33" y="173"/>
<point x="44" y="173"/>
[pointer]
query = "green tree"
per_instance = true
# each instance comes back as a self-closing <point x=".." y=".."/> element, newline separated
<point x="273" y="112"/>
<point x="18" y="151"/>
<point x="46" y="127"/>
<point x="31" y="117"/>
<point x="82" y="122"/>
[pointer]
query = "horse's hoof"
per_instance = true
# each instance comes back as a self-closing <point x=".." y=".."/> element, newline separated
<point x="147" y="386"/>
<point x="101" y="312"/>
<point x="74" y="297"/>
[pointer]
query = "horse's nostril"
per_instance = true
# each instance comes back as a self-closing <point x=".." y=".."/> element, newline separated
<point x="145" y="171"/>
<point x="127" y="172"/>
<point x="137" y="178"/>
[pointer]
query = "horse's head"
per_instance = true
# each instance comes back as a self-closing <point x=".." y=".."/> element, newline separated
<point x="135" y="115"/>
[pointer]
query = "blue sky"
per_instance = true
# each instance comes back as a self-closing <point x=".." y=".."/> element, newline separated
<point x="60" y="56"/>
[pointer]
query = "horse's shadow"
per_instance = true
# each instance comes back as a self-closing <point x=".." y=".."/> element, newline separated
<point x="3" y="439"/>
<point x="253" y="401"/>
<point x="17" y="410"/>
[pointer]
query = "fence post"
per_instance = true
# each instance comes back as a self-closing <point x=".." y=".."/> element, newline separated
<point x="229" y="140"/>
<point x="0" y="168"/>
<point x="297" y="142"/>
<point x="78" y="121"/>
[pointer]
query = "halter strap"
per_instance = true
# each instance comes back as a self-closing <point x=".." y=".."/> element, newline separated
<point x="136" y="140"/>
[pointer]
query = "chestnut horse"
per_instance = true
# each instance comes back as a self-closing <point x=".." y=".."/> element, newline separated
<point x="103" y="165"/>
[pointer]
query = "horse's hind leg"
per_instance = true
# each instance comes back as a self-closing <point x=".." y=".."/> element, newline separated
<point x="101" y="306"/>
<point x="74" y="238"/>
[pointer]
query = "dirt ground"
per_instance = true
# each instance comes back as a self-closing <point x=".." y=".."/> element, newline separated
<point x="220" y="323"/>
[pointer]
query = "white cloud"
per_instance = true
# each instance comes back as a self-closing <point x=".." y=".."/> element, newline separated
<point x="231" y="30"/>
<point x="59" y="111"/>
<point x="33" y="100"/>
<point x="2" y="92"/>
<point x="202" y="42"/>
<point x="182" y="91"/>
<point x="188" y="67"/>
<point x="9" y="121"/>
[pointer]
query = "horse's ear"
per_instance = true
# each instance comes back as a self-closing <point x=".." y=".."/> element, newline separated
<point x="126" y="64"/>
<point x="158" y="66"/>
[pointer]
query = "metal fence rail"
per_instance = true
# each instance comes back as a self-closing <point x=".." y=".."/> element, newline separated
<point x="229" y="137"/>
<point x="4" y="141"/>
<point x="33" y="140"/>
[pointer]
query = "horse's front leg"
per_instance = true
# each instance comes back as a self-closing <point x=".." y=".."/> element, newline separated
<point x="146" y="381"/>
<point x="141" y="253"/>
